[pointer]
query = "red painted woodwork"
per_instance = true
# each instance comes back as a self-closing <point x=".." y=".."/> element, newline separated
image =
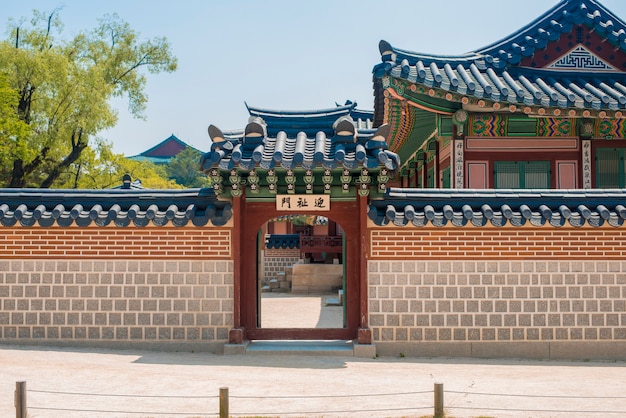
<point x="321" y="244"/>
<point x="481" y="157"/>
<point x="250" y="217"/>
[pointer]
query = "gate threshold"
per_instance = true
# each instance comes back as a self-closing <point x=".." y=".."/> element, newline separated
<point x="302" y="347"/>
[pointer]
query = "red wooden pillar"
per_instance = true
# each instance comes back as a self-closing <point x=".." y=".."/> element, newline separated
<point x="237" y="334"/>
<point x="364" y="335"/>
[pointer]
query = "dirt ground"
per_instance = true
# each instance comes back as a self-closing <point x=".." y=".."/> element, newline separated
<point x="63" y="382"/>
<point x="286" y="310"/>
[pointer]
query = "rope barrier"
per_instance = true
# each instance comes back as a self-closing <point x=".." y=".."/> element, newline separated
<point x="121" y="396"/>
<point x="123" y="412"/>
<point x="321" y="412"/>
<point x="534" y="396"/>
<point x="333" y="396"/>
<point x="352" y="411"/>
<point x="563" y="411"/>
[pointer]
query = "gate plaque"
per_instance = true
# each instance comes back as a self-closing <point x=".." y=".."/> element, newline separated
<point x="305" y="202"/>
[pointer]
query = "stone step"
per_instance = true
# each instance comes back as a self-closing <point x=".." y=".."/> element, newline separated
<point x="301" y="347"/>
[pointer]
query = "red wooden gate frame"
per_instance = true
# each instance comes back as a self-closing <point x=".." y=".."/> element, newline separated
<point x="248" y="218"/>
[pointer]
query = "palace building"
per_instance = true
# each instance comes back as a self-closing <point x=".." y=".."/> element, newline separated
<point x="478" y="211"/>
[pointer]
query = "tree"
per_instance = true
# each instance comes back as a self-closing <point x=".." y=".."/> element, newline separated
<point x="64" y="89"/>
<point x="100" y="168"/>
<point x="11" y="127"/>
<point x="184" y="169"/>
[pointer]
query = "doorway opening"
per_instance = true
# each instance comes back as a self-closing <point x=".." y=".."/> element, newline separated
<point x="250" y="253"/>
<point x="301" y="275"/>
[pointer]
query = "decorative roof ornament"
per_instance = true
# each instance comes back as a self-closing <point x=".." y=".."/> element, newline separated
<point x="580" y="58"/>
<point x="570" y="61"/>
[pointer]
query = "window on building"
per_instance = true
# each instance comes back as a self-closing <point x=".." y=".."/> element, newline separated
<point x="522" y="175"/>
<point x="610" y="168"/>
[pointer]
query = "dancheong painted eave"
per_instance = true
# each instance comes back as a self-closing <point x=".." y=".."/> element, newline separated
<point x="441" y="207"/>
<point x="122" y="208"/>
<point x="532" y="67"/>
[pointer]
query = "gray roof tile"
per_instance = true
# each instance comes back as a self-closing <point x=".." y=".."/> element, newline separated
<point x="419" y="207"/>
<point x="30" y="207"/>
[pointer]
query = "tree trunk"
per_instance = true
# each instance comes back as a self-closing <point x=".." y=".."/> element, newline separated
<point x="78" y="145"/>
<point x="17" y="177"/>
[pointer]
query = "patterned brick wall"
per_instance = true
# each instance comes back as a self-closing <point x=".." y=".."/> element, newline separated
<point x="176" y="303"/>
<point x="525" y="243"/>
<point x="112" y="242"/>
<point x="530" y="293"/>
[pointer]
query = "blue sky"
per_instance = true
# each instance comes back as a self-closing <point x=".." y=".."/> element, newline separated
<point x="277" y="54"/>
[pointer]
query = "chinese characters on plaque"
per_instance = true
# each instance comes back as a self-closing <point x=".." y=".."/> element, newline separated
<point x="458" y="164"/>
<point x="308" y="202"/>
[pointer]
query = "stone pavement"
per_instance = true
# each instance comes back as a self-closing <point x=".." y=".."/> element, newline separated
<point x="72" y="382"/>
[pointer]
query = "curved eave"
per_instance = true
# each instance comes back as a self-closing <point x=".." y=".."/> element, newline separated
<point x="498" y="208"/>
<point x="121" y="208"/>
<point x="557" y="21"/>
<point x="523" y="43"/>
<point x="578" y="91"/>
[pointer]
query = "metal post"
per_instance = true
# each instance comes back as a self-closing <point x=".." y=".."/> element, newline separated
<point x="20" y="400"/>
<point x="224" y="402"/>
<point x="438" y="400"/>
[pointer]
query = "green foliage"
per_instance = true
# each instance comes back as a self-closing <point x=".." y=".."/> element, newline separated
<point x="64" y="88"/>
<point x="184" y="169"/>
<point x="100" y="168"/>
<point x="11" y="127"/>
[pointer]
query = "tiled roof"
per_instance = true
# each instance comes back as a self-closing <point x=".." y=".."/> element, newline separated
<point x="292" y="122"/>
<point x="439" y="207"/>
<point x="122" y="208"/>
<point x="283" y="241"/>
<point x="344" y="148"/>
<point x="503" y="72"/>
<point x="162" y="152"/>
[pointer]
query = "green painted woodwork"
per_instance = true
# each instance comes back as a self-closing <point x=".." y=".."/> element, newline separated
<point x="263" y="185"/>
<point x="421" y="97"/>
<point x="521" y="126"/>
<point x="446" y="126"/>
<point x="445" y="178"/>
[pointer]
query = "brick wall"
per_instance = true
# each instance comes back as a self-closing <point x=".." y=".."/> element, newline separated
<point x="129" y="303"/>
<point x="525" y="243"/>
<point x="168" y="288"/>
<point x="531" y="293"/>
<point x="112" y="242"/>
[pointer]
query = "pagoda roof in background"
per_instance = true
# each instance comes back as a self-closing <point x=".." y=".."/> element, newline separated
<point x="571" y="61"/>
<point x="162" y="152"/>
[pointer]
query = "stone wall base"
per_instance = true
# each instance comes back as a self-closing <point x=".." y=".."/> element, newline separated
<point x="540" y="350"/>
<point x="213" y="347"/>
